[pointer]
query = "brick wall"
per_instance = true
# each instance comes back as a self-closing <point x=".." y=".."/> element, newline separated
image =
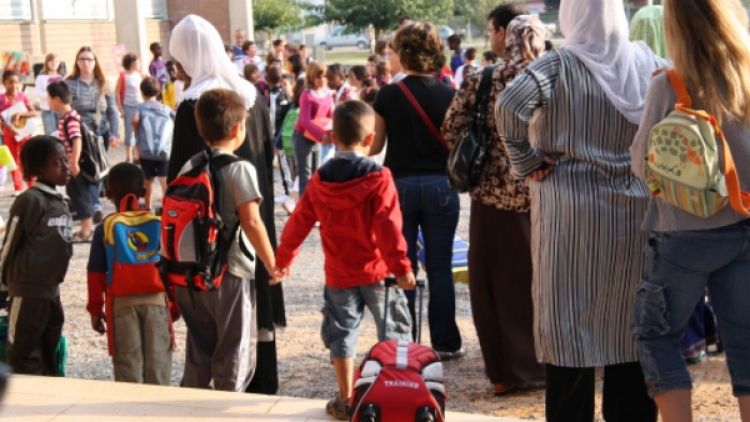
<point x="214" y="11"/>
<point x="158" y="31"/>
<point x="15" y="36"/>
<point x="64" y="38"/>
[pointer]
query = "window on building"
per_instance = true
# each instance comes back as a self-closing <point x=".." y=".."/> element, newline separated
<point x="76" y="9"/>
<point x="15" y="10"/>
<point x="155" y="9"/>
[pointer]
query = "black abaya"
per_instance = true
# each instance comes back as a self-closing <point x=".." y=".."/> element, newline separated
<point x="258" y="149"/>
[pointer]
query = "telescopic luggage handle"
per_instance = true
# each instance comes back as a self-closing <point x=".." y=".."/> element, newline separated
<point x="391" y="282"/>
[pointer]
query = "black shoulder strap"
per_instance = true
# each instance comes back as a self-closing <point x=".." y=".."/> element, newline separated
<point x="219" y="161"/>
<point x="477" y="118"/>
<point x="215" y="163"/>
<point x="483" y="92"/>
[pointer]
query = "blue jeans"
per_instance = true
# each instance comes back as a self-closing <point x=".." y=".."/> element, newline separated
<point x="128" y="113"/>
<point x="326" y="152"/>
<point x="428" y="202"/>
<point x="307" y="154"/>
<point x="679" y="267"/>
<point x="49" y="121"/>
<point x="344" y="310"/>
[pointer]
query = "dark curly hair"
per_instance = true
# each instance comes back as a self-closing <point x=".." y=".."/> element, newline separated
<point x="418" y="47"/>
<point x="124" y="179"/>
<point x="36" y="153"/>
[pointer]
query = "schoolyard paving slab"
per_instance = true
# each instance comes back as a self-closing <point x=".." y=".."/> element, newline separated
<point x="32" y="398"/>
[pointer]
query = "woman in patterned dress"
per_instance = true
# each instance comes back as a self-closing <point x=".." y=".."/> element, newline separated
<point x="499" y="227"/>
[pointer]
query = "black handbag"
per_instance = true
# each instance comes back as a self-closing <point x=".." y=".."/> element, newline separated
<point x="468" y="156"/>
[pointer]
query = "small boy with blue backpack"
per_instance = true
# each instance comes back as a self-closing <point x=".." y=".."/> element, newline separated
<point x="154" y="127"/>
<point x="127" y="298"/>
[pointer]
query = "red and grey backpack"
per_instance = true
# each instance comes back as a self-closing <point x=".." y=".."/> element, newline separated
<point x="195" y="239"/>
<point x="399" y="380"/>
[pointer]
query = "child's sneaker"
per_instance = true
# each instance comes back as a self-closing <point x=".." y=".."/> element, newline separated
<point x="338" y="408"/>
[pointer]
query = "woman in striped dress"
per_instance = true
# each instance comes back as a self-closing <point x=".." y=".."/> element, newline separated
<point x="568" y="122"/>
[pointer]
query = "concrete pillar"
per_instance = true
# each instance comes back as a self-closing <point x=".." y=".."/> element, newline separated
<point x="130" y="26"/>
<point x="37" y="18"/>
<point x="241" y="17"/>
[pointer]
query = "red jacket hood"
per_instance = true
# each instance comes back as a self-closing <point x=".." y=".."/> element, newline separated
<point x="353" y="193"/>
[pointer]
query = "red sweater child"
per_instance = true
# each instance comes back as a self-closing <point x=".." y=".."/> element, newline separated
<point x="356" y="203"/>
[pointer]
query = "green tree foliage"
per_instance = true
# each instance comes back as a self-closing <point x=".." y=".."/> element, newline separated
<point x="383" y="15"/>
<point x="475" y="11"/>
<point x="271" y="15"/>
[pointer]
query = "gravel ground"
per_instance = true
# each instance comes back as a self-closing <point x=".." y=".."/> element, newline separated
<point x="303" y="361"/>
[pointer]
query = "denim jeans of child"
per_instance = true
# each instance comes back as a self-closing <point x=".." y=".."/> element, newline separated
<point x="679" y="267"/>
<point x="343" y="313"/>
<point x="49" y="120"/>
<point x="128" y="113"/>
<point x="428" y="202"/>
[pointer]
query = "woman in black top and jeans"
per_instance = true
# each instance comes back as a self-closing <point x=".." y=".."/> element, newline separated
<point x="417" y="160"/>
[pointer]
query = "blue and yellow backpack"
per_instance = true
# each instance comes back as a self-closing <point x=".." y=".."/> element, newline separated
<point x="132" y="241"/>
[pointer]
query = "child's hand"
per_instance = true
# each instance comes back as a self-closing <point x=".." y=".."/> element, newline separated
<point x="279" y="274"/>
<point x="74" y="169"/>
<point x="97" y="323"/>
<point x="407" y="281"/>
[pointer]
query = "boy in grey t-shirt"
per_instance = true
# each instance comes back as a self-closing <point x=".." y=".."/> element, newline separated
<point x="221" y="323"/>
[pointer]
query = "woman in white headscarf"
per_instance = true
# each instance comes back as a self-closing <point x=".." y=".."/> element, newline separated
<point x="568" y="122"/>
<point x="197" y="48"/>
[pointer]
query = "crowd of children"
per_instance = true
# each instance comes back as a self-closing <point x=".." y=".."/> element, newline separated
<point x="126" y="297"/>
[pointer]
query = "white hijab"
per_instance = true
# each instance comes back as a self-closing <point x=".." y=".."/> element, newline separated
<point x="596" y="31"/>
<point x="197" y="45"/>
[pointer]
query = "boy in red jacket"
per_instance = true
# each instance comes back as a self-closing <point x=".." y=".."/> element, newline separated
<point x="356" y="202"/>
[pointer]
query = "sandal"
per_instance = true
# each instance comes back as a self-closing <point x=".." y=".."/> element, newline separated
<point x="338" y="408"/>
<point x="501" y="390"/>
<point x="79" y="237"/>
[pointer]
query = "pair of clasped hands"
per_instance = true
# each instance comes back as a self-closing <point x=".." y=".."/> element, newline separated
<point x="405" y="282"/>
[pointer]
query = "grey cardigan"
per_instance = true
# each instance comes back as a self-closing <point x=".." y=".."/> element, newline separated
<point x="660" y="216"/>
<point x="85" y="98"/>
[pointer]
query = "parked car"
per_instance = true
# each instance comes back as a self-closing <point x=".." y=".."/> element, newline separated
<point x="339" y="37"/>
<point x="445" y="32"/>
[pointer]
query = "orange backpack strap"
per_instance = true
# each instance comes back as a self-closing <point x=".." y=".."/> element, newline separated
<point x="738" y="199"/>
<point x="128" y="202"/>
<point x="678" y="85"/>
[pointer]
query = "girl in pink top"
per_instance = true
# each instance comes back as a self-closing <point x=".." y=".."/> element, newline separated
<point x="315" y="115"/>
<point x="13" y="96"/>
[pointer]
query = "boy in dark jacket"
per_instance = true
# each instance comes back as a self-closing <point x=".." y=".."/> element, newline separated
<point x="356" y="203"/>
<point x="35" y="257"/>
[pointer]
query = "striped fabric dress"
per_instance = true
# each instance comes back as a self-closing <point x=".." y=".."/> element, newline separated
<point x="587" y="245"/>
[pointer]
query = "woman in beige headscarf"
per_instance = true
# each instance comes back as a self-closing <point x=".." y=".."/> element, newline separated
<point x="568" y="122"/>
